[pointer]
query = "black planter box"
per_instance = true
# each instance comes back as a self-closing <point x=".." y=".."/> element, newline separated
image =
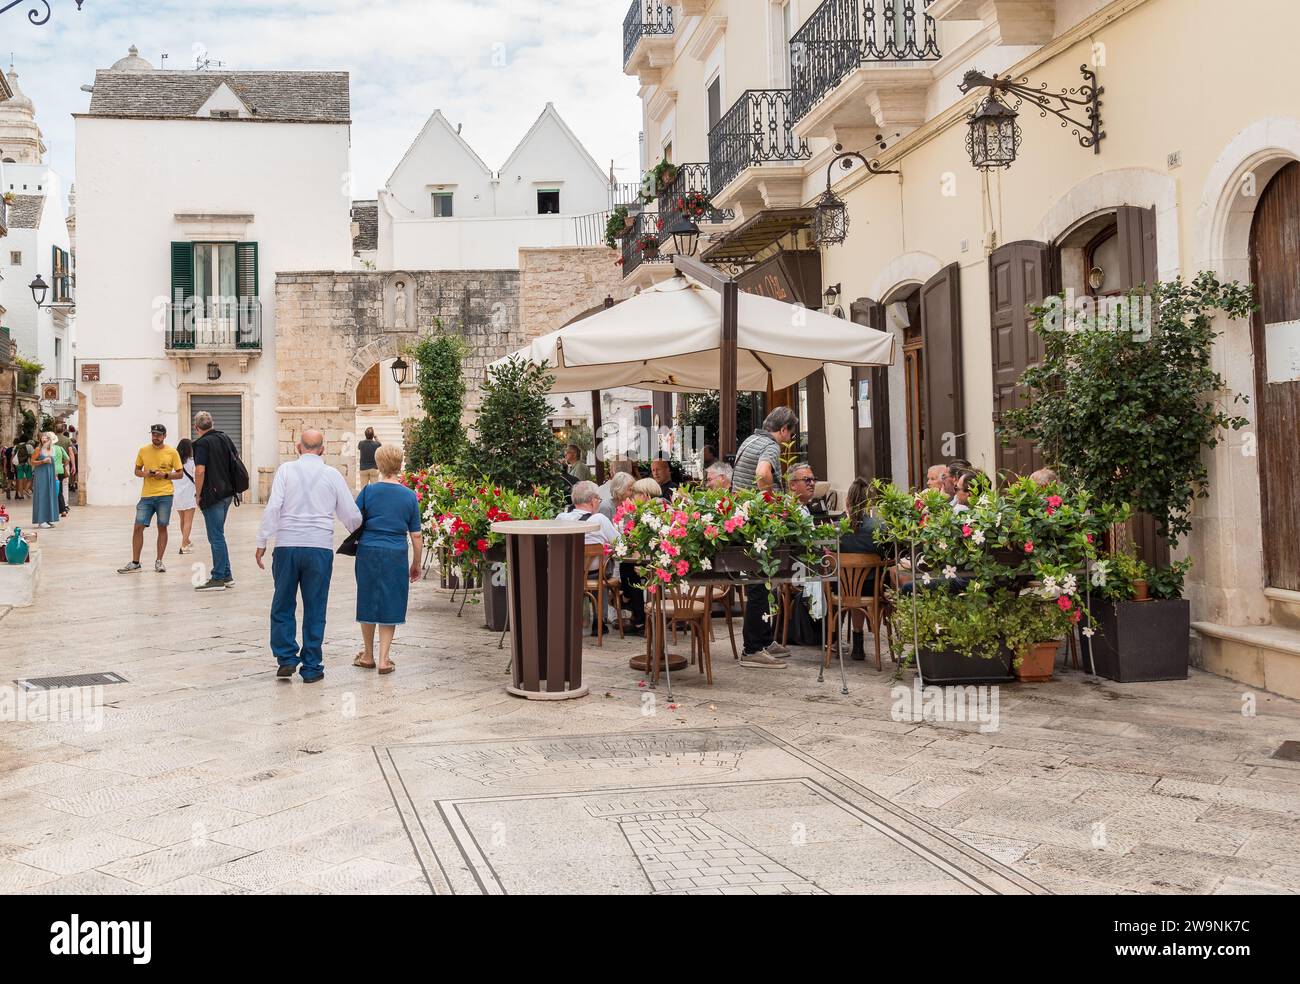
<point x="946" y="668"/>
<point x="735" y="560"/>
<point x="1140" y="641"/>
<point x="496" y="602"/>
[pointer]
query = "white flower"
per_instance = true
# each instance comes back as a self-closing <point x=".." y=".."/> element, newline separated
<point x="974" y="586"/>
<point x="938" y="629"/>
<point x="1070" y="584"/>
<point x="1088" y="633"/>
<point x="767" y="616"/>
<point x="984" y="499"/>
<point x="664" y="560"/>
<point x="1049" y="583"/>
<point x="1099" y="574"/>
<point x="760" y="544"/>
<point x="652" y="521"/>
<point x="977" y="538"/>
<point x="448" y="523"/>
<point x="950" y="572"/>
<point x="926" y="579"/>
<point x="942" y="546"/>
<point x="620" y="549"/>
<point x="706" y="564"/>
<point x="707" y="518"/>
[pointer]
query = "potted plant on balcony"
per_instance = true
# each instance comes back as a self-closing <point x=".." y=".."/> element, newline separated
<point x="620" y="221"/>
<point x="658" y="180"/>
<point x="647" y="245"/>
<point x="28" y="373"/>
<point x="695" y="205"/>
<point x="1126" y="405"/>
<point x="9" y="197"/>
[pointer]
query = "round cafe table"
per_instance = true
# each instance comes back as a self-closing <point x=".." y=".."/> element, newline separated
<point x="544" y="563"/>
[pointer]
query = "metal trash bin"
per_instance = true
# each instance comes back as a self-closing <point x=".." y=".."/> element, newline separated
<point x="544" y="560"/>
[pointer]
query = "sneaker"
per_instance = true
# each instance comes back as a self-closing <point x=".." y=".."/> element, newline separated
<point x="186" y="550"/>
<point x="160" y="567"/>
<point x="211" y="585"/>
<point x="227" y="581"/>
<point x="130" y="568"/>
<point x="762" y="660"/>
<point x="776" y="649"/>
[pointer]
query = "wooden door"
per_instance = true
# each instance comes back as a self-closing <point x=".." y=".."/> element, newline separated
<point x="1274" y="243"/>
<point x="1017" y="278"/>
<point x="871" y="450"/>
<point x="368" y="388"/>
<point x="914" y="382"/>
<point x="944" y="430"/>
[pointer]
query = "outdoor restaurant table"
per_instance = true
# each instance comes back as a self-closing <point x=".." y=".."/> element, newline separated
<point x="544" y="561"/>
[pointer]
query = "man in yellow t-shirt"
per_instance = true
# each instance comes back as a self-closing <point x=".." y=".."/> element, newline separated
<point x="157" y="464"/>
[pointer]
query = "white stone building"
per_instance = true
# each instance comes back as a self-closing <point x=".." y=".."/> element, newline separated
<point x="195" y="188"/>
<point x="443" y="208"/>
<point x="37" y="245"/>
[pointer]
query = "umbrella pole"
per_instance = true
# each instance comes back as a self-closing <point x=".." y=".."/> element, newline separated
<point x="596" y="424"/>
<point x="727" y="371"/>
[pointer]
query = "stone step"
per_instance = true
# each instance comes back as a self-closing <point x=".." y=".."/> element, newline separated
<point x="1263" y="656"/>
<point x="1284" y="606"/>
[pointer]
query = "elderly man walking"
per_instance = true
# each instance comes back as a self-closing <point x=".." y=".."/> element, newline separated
<point x="306" y="496"/>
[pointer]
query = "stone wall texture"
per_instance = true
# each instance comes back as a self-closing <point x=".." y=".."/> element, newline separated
<point x="559" y="284"/>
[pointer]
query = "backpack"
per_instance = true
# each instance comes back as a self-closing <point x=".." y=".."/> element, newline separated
<point x="24" y="452"/>
<point x="238" y="471"/>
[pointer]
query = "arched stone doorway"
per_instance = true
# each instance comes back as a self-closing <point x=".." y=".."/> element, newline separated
<point x="1275" y="339"/>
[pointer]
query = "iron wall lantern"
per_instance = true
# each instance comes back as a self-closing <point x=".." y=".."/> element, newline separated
<point x="993" y="137"/>
<point x="39" y="289"/>
<point x="686" y="236"/>
<point x="830" y="220"/>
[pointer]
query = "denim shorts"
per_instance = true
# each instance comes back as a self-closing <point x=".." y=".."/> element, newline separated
<point x="153" y="505"/>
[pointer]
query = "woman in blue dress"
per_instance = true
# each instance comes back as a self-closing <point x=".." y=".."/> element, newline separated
<point x="391" y="514"/>
<point x="45" y="485"/>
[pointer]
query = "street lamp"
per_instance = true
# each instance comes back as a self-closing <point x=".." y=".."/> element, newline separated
<point x="993" y="137"/>
<point x="831" y="295"/>
<point x="830" y="219"/>
<point x="399" y="368"/>
<point x="39" y="288"/>
<point x="686" y="236"/>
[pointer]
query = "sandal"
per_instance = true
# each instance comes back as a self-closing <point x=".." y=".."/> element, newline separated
<point x="360" y="661"/>
<point x="387" y="669"/>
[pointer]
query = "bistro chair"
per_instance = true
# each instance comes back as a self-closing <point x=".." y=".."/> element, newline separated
<point x="690" y="606"/>
<point x="596" y="582"/>
<point x="850" y="595"/>
<point x="726" y="597"/>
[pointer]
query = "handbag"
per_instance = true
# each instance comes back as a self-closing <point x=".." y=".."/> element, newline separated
<point x="348" y="548"/>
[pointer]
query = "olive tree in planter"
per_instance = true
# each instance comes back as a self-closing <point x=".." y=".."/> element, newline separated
<point x="1123" y="403"/>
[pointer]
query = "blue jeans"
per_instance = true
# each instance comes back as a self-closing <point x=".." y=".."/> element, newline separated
<point x="214" y="518"/>
<point x="308" y="568"/>
<point x="154" y="505"/>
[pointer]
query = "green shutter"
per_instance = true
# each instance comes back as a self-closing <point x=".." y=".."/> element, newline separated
<point x="246" y="270"/>
<point x="182" y="272"/>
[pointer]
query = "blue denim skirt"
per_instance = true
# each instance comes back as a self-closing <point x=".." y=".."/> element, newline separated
<point x="382" y="585"/>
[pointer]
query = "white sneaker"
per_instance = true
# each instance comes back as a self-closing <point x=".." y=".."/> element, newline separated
<point x="762" y="660"/>
<point x="160" y="567"/>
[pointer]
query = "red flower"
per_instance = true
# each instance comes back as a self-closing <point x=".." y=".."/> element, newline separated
<point x="682" y="568"/>
<point x="1078" y="614"/>
<point x="459" y="547"/>
<point x="1054" y="501"/>
<point x="1064" y="603"/>
<point x="1029" y="548"/>
<point x="966" y="531"/>
<point x="768" y="497"/>
<point x="920" y="505"/>
<point x="1089" y="537"/>
<point x="482" y="545"/>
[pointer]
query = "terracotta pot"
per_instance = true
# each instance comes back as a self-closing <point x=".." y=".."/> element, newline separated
<point x="629" y="222"/>
<point x="1140" y="590"/>
<point x="1036" y="665"/>
<point x="650" y="252"/>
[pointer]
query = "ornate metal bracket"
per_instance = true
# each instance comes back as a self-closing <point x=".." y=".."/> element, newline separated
<point x="34" y="14"/>
<point x="1086" y="97"/>
<point x="844" y="158"/>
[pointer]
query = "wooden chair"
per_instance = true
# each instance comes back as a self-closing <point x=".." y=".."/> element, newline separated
<point x="596" y="582"/>
<point x="726" y="597"/>
<point x="691" y="606"/>
<point x="849" y="595"/>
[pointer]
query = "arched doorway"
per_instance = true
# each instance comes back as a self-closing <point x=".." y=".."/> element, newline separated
<point x="381" y="406"/>
<point x="1275" y="337"/>
<point x="368" y="388"/>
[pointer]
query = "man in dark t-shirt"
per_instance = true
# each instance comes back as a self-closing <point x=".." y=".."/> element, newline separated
<point x="366" y="450"/>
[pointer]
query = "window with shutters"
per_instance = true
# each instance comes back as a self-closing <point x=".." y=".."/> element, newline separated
<point x="214" y="296"/>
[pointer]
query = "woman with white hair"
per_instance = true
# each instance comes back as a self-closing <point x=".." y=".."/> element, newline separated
<point x="45" y="485"/>
<point x="620" y="489"/>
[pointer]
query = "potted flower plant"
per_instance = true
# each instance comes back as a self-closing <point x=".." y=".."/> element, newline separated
<point x="695" y="205"/>
<point x="648" y="245"/>
<point x="619" y="222"/>
<point x="1141" y="620"/>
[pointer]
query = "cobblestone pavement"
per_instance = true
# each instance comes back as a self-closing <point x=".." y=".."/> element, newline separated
<point x="209" y="775"/>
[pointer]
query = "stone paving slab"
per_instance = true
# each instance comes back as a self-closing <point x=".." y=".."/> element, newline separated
<point x="206" y="775"/>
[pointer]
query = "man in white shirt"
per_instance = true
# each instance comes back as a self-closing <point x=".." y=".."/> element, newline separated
<point x="306" y="495"/>
<point x="586" y="509"/>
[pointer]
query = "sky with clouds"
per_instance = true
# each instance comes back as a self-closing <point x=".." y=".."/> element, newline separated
<point x="489" y="64"/>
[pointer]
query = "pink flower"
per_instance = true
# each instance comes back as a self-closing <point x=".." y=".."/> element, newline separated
<point x="680" y="518"/>
<point x="678" y="532"/>
<point x="663" y="575"/>
<point x="1054" y="501"/>
<point x="627" y="527"/>
<point x="966" y="531"/>
<point x="731" y="524"/>
<point x="682" y="568"/>
<point x="671" y="549"/>
<point x="1029" y="547"/>
<point x="1089" y="537"/>
<point x="695" y="515"/>
<point x="1050" y="511"/>
<point x="1064" y="603"/>
<point x="920" y="505"/>
<point x="710" y="531"/>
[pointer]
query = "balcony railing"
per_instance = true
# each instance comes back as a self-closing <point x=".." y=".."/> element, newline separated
<point x="756" y="130"/>
<point x="645" y="17"/>
<point x="842" y="35"/>
<point x="214" y="325"/>
<point x="64" y="290"/>
<point x="646" y="225"/>
<point x="691" y="178"/>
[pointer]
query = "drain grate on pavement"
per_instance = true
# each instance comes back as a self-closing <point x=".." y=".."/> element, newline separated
<point x="1288" y="751"/>
<point x="73" y="680"/>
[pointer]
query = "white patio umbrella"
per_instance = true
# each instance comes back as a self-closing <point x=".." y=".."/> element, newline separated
<point x="669" y="338"/>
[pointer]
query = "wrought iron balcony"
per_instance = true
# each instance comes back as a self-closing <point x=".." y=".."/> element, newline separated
<point x="843" y="35"/>
<point x="645" y="18"/>
<point x="757" y="129"/>
<point x="214" y="325"/>
<point x="64" y="290"/>
<point x="692" y="181"/>
<point x="637" y="248"/>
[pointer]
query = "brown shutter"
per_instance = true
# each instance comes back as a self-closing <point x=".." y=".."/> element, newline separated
<point x="1017" y="279"/>
<point x="941" y="334"/>
<point x="1137" y="246"/>
<point x="871" y="450"/>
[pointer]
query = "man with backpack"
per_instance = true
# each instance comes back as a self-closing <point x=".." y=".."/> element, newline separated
<point x="220" y="478"/>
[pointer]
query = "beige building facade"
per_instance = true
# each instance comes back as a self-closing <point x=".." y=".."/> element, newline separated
<point x="1202" y="128"/>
